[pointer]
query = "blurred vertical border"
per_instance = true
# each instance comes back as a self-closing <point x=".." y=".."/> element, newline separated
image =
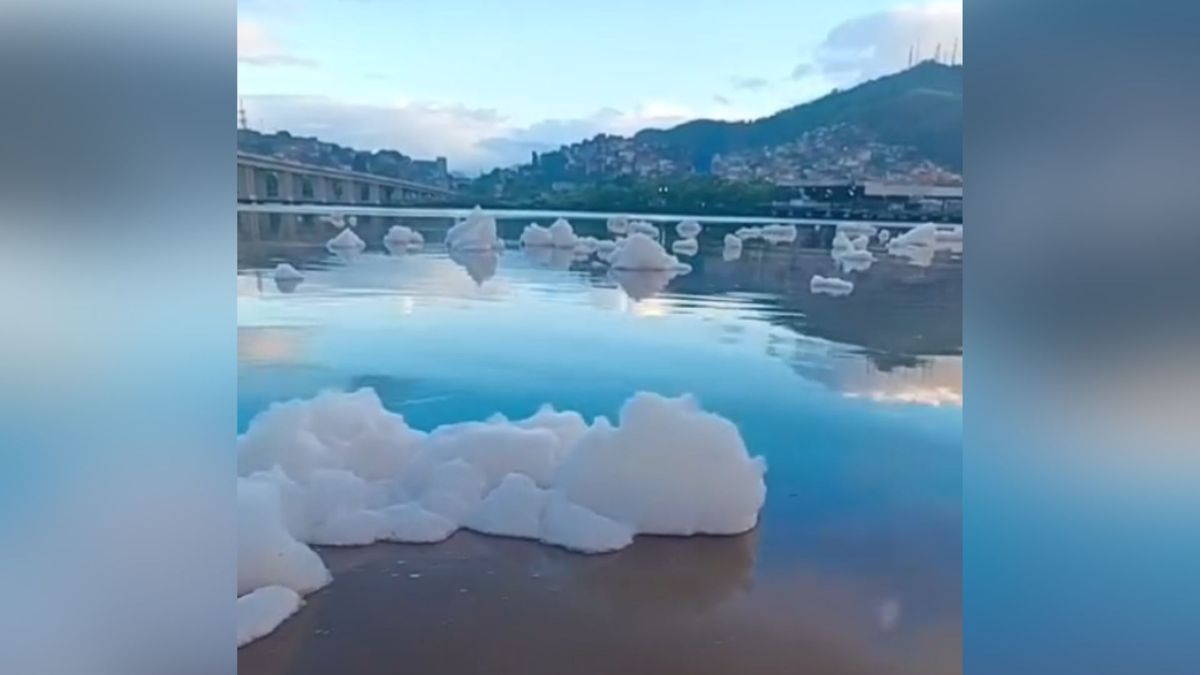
<point x="1082" y="323"/>
<point x="117" y="381"/>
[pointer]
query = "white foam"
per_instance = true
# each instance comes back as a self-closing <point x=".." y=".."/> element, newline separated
<point x="476" y="232"/>
<point x="562" y="235"/>
<point x="748" y="233"/>
<point x="731" y="253"/>
<point x="830" y="285"/>
<point x="618" y="225"/>
<point x="640" y="252"/>
<point x="605" y="245"/>
<point x="586" y="245"/>
<point x="268" y="554"/>
<point x="884" y="235"/>
<point x="854" y="259"/>
<point x="779" y="234"/>
<point x="841" y="242"/>
<point x="536" y="235"/>
<point x="860" y="242"/>
<point x="921" y="235"/>
<point x="643" y="227"/>
<point x="953" y="234"/>
<point x="689" y="229"/>
<point x="917" y="246"/>
<point x="580" y="529"/>
<point x="285" y="272"/>
<point x="346" y="239"/>
<point x="262" y="610"/>
<point x="512" y="509"/>
<point x="339" y="469"/>
<point x="688" y="247"/>
<point x="403" y="236"/>
<point x="667" y="468"/>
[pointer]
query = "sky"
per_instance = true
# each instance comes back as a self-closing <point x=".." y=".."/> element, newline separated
<point x="486" y="82"/>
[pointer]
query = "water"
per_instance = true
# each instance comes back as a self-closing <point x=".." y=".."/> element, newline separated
<point x="855" y="402"/>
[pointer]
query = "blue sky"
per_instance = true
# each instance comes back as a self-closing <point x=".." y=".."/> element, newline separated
<point x="485" y="82"/>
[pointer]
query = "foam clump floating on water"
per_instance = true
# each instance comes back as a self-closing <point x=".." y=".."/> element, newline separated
<point x="340" y="469"/>
<point x="884" y="236"/>
<point x="830" y="285"/>
<point x="285" y="272"/>
<point x="476" y="232"/>
<point x="640" y="252"/>
<point x="346" y="240"/>
<point x="403" y="236"/>
<point x="262" y="610"/>
<point x="924" y="234"/>
<point x="586" y="246"/>
<point x="562" y="235"/>
<point x="688" y="229"/>
<point x="688" y="247"/>
<point x="953" y="234"/>
<point x="536" y="235"/>
<point x="854" y="259"/>
<point x="644" y="227"/>
<point x="779" y="234"/>
<point x="748" y="233"/>
<point x="668" y="467"/>
<point x="917" y="245"/>
<point x="618" y="225"/>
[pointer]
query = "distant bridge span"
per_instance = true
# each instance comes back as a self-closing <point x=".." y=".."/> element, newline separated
<point x="263" y="179"/>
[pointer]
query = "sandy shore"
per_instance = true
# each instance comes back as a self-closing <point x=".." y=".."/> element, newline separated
<point x="477" y="604"/>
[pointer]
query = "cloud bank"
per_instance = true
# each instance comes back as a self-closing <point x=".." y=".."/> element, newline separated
<point x="878" y="43"/>
<point x="472" y="139"/>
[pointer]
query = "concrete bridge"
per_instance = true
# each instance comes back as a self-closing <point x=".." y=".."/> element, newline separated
<point x="264" y="179"/>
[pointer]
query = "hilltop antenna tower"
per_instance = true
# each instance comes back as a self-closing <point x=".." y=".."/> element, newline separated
<point x="910" y="56"/>
<point x="937" y="53"/>
<point x="954" y="53"/>
<point x="242" y="123"/>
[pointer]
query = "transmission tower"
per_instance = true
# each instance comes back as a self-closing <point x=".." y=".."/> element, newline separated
<point x="242" y="123"/>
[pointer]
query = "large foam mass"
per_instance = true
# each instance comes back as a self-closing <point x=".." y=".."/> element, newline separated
<point x="268" y="554"/>
<point x="476" y="232"/>
<point x="640" y="252"/>
<point x="341" y="470"/>
<point x="262" y="610"/>
<point x="668" y="468"/>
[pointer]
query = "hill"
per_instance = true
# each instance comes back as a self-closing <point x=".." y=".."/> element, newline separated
<point x="920" y="108"/>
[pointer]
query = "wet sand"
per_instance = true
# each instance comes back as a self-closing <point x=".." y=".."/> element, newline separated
<point x="478" y="604"/>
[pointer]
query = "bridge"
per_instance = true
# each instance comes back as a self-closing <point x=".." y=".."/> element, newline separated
<point x="263" y="179"/>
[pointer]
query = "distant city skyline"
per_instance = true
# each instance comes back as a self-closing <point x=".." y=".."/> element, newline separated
<point x="486" y="83"/>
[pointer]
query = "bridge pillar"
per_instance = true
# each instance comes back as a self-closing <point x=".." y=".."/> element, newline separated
<point x="288" y="186"/>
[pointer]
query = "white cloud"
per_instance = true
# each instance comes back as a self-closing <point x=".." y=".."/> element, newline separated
<point x="471" y="138"/>
<point x="257" y="47"/>
<point x="750" y="83"/>
<point x="878" y="44"/>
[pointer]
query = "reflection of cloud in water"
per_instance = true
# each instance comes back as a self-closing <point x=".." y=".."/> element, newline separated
<point x="480" y="265"/>
<point x="264" y="346"/>
<point x="642" y="284"/>
<point x="932" y="381"/>
<point x="658" y="577"/>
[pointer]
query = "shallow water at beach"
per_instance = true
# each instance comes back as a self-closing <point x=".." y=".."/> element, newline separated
<point x="854" y="401"/>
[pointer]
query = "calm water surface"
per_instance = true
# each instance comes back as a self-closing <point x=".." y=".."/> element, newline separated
<point x="854" y="401"/>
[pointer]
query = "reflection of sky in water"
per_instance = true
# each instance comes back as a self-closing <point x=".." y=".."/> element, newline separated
<point x="855" y="402"/>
